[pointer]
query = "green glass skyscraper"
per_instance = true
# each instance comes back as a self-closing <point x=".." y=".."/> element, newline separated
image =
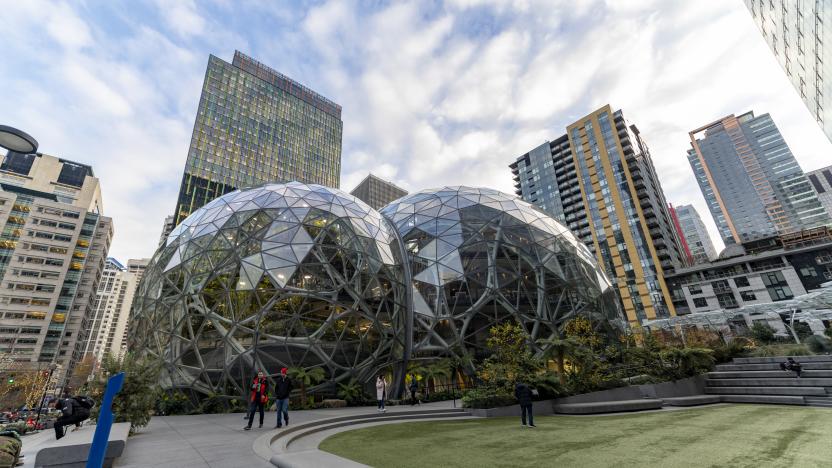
<point x="255" y="125"/>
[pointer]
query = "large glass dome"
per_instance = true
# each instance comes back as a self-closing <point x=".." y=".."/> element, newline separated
<point x="282" y="275"/>
<point x="479" y="257"/>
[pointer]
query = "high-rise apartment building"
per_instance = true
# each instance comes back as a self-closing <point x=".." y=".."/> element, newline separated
<point x="52" y="251"/>
<point x="796" y="31"/>
<point x="752" y="183"/>
<point x="377" y="192"/>
<point x="255" y="125"/>
<point x="821" y="181"/>
<point x="695" y="234"/>
<point x="599" y="180"/>
<point x="114" y="298"/>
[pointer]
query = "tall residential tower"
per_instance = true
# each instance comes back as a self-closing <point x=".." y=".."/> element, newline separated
<point x="752" y="183"/>
<point x="798" y="33"/>
<point x="255" y="125"/>
<point x="821" y="180"/>
<point x="599" y="180"/>
<point x="52" y="251"/>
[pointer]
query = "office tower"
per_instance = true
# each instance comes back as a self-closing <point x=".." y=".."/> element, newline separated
<point x="752" y="183"/>
<point x="599" y="180"/>
<point x="52" y="251"/>
<point x="255" y="125"/>
<point x="821" y="180"/>
<point x="695" y="234"/>
<point x="377" y="192"/>
<point x="137" y="266"/>
<point x="112" y="311"/>
<point x="794" y="31"/>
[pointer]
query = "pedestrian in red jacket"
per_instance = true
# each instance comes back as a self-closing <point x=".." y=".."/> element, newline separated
<point x="258" y="398"/>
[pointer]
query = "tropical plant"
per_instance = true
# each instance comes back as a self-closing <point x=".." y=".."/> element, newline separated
<point x="352" y="391"/>
<point x="487" y="397"/>
<point x="828" y="332"/>
<point x="435" y="371"/>
<point x="306" y="378"/>
<point x="139" y="393"/>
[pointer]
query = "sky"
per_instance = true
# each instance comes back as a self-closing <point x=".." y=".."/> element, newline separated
<point x="433" y="93"/>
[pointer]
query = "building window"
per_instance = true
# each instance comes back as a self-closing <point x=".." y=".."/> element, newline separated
<point x="748" y="296"/>
<point x="741" y="282"/>
<point x="777" y="286"/>
<point x="700" y="302"/>
<point x="695" y="289"/>
<point x="727" y="301"/>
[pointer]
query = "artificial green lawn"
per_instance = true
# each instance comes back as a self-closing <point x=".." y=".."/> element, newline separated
<point x="716" y="436"/>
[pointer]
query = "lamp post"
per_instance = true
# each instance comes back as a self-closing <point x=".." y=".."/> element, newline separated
<point x="17" y="140"/>
<point x="52" y="368"/>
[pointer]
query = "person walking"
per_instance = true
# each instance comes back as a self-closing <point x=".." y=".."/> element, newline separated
<point x="257" y="398"/>
<point x="524" y="395"/>
<point x="414" y="387"/>
<point x="381" y="392"/>
<point x="73" y="411"/>
<point x="282" y="389"/>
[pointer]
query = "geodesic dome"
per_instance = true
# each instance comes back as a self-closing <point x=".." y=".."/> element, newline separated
<point x="282" y="275"/>
<point x="479" y="257"/>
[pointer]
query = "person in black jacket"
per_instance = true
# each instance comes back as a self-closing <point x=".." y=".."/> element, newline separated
<point x="72" y="413"/>
<point x="414" y="387"/>
<point x="282" y="390"/>
<point x="524" y="395"/>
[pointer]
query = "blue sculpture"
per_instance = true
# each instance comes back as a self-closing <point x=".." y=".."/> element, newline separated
<point x="105" y="422"/>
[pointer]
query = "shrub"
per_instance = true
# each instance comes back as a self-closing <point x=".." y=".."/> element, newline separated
<point x="763" y="333"/>
<point x="173" y="403"/>
<point x="737" y="347"/>
<point x="214" y="404"/>
<point x="828" y="332"/>
<point x="782" y="350"/>
<point x="819" y="344"/>
<point x="487" y="397"/>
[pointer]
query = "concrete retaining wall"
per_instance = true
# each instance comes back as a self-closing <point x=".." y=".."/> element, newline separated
<point x="679" y="388"/>
<point x="543" y="407"/>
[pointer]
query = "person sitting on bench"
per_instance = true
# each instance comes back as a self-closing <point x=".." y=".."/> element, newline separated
<point x="75" y="410"/>
<point x="792" y="365"/>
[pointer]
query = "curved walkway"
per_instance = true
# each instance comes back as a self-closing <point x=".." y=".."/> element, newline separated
<point x="218" y="440"/>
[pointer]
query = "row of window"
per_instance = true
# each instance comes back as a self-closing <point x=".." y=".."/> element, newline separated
<point x="49" y="236"/>
<point x="53" y="224"/>
<point x="41" y="260"/>
<point x="58" y="212"/>
<point x="31" y="287"/>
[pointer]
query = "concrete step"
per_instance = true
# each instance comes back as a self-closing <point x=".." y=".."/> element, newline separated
<point x="287" y="441"/>
<point x="779" y="382"/>
<point x="772" y="366"/>
<point x="786" y="391"/>
<point x="819" y="401"/>
<point x="608" y="406"/>
<point x="764" y="399"/>
<point x="769" y="374"/>
<point x="778" y="359"/>
<point x="693" y="400"/>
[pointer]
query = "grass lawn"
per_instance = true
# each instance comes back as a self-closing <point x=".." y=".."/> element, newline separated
<point x="720" y="436"/>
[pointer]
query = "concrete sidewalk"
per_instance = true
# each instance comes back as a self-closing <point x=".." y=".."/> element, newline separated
<point x="218" y="440"/>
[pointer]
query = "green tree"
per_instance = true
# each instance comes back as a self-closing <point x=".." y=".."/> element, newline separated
<point x="511" y="359"/>
<point x="139" y="394"/>
<point x="306" y="378"/>
<point x="687" y="362"/>
<point x="558" y="349"/>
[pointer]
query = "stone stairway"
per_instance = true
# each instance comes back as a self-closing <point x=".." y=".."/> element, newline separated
<point x="760" y="380"/>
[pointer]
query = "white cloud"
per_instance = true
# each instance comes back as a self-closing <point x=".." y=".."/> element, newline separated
<point x="432" y="94"/>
